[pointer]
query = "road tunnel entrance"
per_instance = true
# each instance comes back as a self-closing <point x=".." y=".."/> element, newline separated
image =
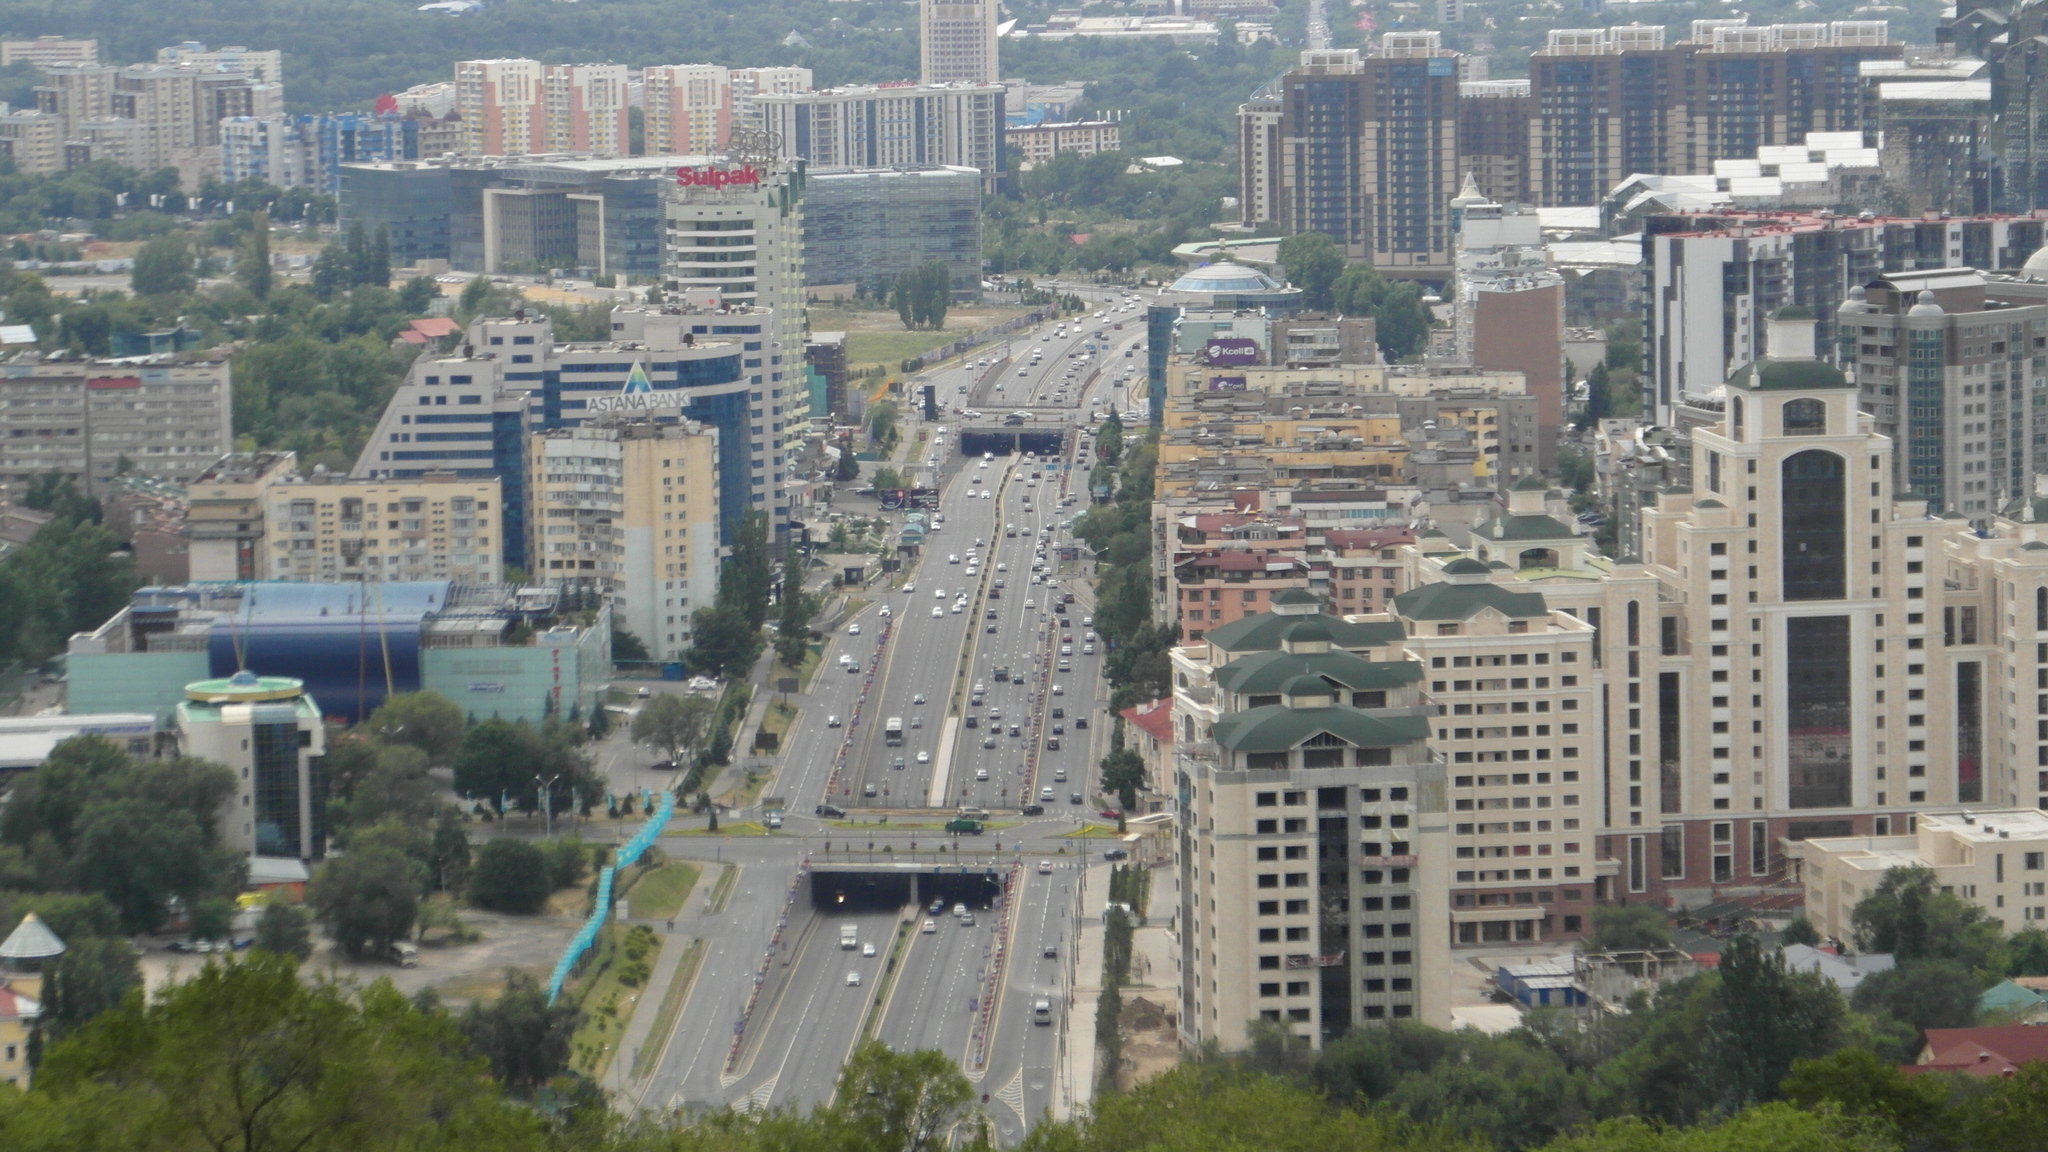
<point x="861" y="891"/>
<point x="1010" y="441"/>
<point x="887" y="889"/>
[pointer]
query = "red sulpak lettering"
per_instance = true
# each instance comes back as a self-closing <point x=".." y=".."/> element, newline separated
<point x="717" y="177"/>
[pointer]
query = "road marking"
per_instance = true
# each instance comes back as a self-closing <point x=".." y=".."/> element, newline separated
<point x="1012" y="1094"/>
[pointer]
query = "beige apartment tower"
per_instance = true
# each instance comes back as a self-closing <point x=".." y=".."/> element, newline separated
<point x="628" y="513"/>
<point x="1312" y="851"/>
<point x="957" y="42"/>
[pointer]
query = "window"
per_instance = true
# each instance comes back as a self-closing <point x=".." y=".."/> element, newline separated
<point x="1817" y="699"/>
<point x="1814" y="538"/>
<point x="1805" y="417"/>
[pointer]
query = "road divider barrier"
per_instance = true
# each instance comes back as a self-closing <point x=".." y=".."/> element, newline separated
<point x="739" y="1026"/>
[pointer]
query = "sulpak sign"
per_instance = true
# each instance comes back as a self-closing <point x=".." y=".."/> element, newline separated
<point x="708" y="177"/>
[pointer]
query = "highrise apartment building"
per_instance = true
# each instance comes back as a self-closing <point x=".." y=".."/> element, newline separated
<point x="898" y="126"/>
<point x="735" y="234"/>
<point x="44" y="51"/>
<point x="1367" y="159"/>
<point x="152" y="116"/>
<point x="470" y="412"/>
<point x="1369" y="151"/>
<point x="750" y="83"/>
<point x="252" y="516"/>
<point x="267" y="66"/>
<point x="628" y="512"/>
<point x="688" y="109"/>
<point x="1946" y="363"/>
<point x="957" y="42"/>
<point x="514" y="107"/>
<point x="91" y="420"/>
<point x="1711" y="277"/>
<point x="1313" y="833"/>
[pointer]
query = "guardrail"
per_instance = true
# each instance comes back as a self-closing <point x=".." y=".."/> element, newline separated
<point x="739" y="1026"/>
<point x="867" y="685"/>
<point x="602" y="908"/>
<point x="992" y="977"/>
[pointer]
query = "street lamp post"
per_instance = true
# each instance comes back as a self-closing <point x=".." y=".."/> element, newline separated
<point x="547" y="800"/>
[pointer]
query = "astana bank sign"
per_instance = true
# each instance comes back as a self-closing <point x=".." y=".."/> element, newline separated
<point x="638" y="395"/>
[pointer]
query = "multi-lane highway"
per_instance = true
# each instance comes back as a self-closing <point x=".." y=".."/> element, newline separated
<point x="988" y="593"/>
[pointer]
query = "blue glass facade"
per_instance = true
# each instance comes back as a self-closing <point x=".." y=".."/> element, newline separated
<point x="565" y="393"/>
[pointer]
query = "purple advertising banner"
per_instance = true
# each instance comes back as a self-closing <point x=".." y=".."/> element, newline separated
<point x="1232" y="351"/>
<point x="1226" y="383"/>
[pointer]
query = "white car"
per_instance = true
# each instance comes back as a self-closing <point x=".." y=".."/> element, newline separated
<point x="953" y="559"/>
<point x="831" y="721"/>
<point x="885" y="612"/>
<point x="1058" y="690"/>
<point x="938" y="593"/>
<point x="1045" y="866"/>
<point x="853" y="629"/>
<point x="867" y="949"/>
<point x="938" y="611"/>
<point x="924" y="757"/>
<point x="853" y="979"/>
<point x="981" y="773"/>
<point x="956" y="609"/>
<point x="1002" y="567"/>
<point x="930" y="926"/>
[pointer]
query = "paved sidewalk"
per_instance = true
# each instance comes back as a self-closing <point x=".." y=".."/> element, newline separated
<point x="675" y="943"/>
<point x="1078" y="1074"/>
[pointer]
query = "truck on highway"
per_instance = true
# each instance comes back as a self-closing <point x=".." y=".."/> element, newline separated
<point x="964" y="826"/>
<point x="892" y="731"/>
<point x="849" y="936"/>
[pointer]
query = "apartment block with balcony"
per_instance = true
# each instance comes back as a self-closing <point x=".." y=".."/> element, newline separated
<point x="1516" y="723"/>
<point x="93" y="420"/>
<point x="1313" y="833"/>
<point x="433" y="527"/>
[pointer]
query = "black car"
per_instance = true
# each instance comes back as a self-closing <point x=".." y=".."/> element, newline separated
<point x="1059" y="713"/>
<point x="1074" y="799"/>
<point x="829" y="812"/>
<point x="974" y="721"/>
<point x="1052" y="744"/>
<point x="1060" y="608"/>
<point x="1032" y="810"/>
<point x="1014" y="730"/>
<point x="663" y="766"/>
<point x="1080" y="722"/>
<point x="1116" y="854"/>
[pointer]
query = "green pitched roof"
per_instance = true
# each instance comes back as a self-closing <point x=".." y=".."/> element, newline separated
<point x="1529" y="484"/>
<point x="1266" y="672"/>
<point x="2008" y="997"/>
<point x="1446" y="601"/>
<point x="1464" y="566"/>
<point x="1296" y="596"/>
<point x="1787" y="376"/>
<point x="1275" y="728"/>
<point x="1262" y="633"/>
<point x="1526" y="528"/>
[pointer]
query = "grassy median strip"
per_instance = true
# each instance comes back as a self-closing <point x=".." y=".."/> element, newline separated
<point x="721" y="892"/>
<point x="609" y="994"/>
<point x="661" y="893"/>
<point x="649" y="1055"/>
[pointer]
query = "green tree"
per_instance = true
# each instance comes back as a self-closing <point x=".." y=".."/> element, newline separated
<point x="796" y="610"/>
<point x="243" y="1057"/>
<point x="1923" y="994"/>
<point x="1313" y="262"/>
<point x="1401" y="321"/>
<point x="900" y="1101"/>
<point x="252" y="257"/>
<point x="493" y="755"/>
<point x="1858" y="1084"/>
<point x="448" y="852"/>
<point x="332" y="272"/>
<point x="1109" y="441"/>
<point x="418" y="295"/>
<point x="525" y="1039"/>
<point x="672" y="724"/>
<point x="886" y="479"/>
<point x="1628" y="928"/>
<point x="1800" y="931"/>
<point x="1123" y="772"/>
<point x="427" y="721"/>
<point x="284" y="929"/>
<point x="922" y="294"/>
<point x="509" y="875"/>
<point x="1765" y="1019"/>
<point x="1909" y="916"/>
<point x="93" y="976"/>
<point x="1767" y="1128"/>
<point x="163" y="266"/>
<point x="366" y="899"/>
<point x="139" y="856"/>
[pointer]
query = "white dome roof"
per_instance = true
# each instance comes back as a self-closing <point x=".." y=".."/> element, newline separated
<point x="2037" y="264"/>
